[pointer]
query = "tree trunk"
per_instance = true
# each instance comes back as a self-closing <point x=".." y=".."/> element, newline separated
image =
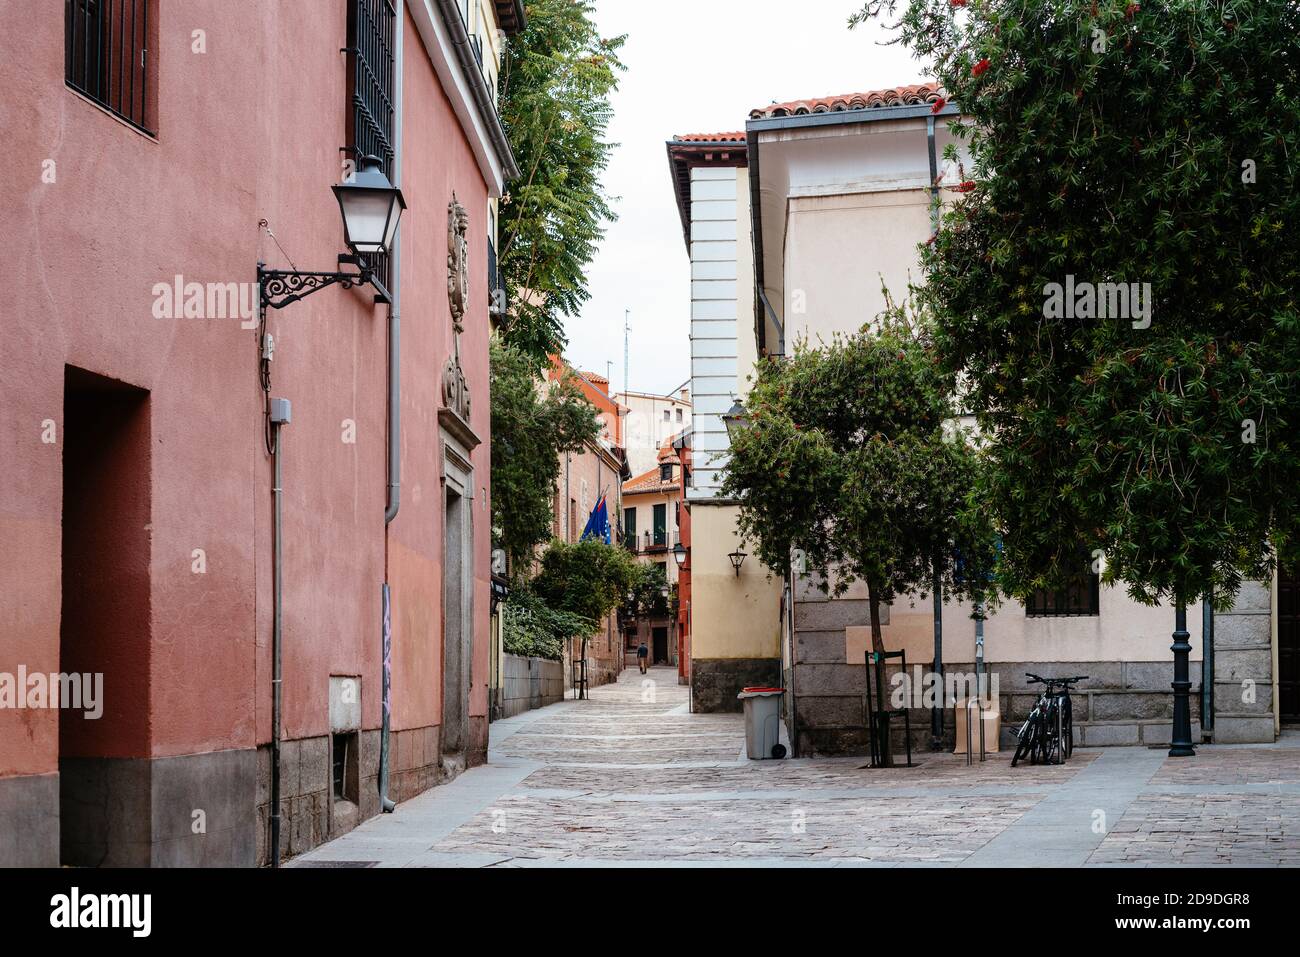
<point x="886" y="753"/>
<point x="877" y="640"/>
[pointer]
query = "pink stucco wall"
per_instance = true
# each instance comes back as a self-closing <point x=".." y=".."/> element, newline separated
<point x="248" y="130"/>
<point x="438" y="162"/>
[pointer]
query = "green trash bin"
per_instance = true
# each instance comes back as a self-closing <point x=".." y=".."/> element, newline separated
<point x="763" y="722"/>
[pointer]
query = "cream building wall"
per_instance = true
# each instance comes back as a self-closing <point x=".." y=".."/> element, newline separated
<point x="844" y="209"/>
<point x="735" y="620"/>
<point x="650" y="421"/>
<point x="734" y="617"/>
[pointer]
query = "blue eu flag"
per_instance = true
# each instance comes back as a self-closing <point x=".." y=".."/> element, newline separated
<point x="598" y="523"/>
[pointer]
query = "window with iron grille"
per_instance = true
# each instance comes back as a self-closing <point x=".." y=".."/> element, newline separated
<point x="371" y="49"/>
<point x="106" y="55"/>
<point x="1080" y="598"/>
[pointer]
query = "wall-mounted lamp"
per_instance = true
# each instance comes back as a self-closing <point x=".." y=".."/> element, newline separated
<point x="679" y="554"/>
<point x="737" y="559"/>
<point x="371" y="208"/>
<point x="736" y="419"/>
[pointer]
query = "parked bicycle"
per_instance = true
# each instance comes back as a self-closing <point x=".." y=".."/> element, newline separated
<point x="1047" y="736"/>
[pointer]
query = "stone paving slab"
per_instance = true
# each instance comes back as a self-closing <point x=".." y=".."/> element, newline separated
<point x="1207" y="830"/>
<point x="1226" y="766"/>
<point x="629" y="778"/>
<point x="886" y="829"/>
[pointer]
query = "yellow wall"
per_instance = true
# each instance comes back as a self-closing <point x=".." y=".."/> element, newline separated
<point x="731" y="617"/>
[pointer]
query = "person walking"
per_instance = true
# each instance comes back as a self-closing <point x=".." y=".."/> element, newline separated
<point x="643" y="657"/>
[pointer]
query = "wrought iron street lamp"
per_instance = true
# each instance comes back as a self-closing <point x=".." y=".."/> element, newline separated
<point x="736" y="419"/>
<point x="371" y="208"/>
<point x="679" y="554"/>
<point x="737" y="559"/>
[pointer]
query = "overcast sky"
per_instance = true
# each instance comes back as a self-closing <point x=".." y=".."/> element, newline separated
<point x="698" y="66"/>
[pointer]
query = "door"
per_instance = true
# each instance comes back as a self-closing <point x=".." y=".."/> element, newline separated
<point x="1288" y="644"/>
<point x="104" y="629"/>
<point x="454" y="703"/>
<point x="661" y="524"/>
<point x="661" y="646"/>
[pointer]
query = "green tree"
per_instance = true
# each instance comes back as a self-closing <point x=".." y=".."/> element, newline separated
<point x="852" y="455"/>
<point x="588" y="578"/>
<point x="532" y="628"/>
<point x="647" y="590"/>
<point x="532" y="426"/>
<point x="1153" y="144"/>
<point x="556" y="82"/>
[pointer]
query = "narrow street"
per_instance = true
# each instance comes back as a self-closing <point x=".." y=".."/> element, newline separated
<point x="630" y="778"/>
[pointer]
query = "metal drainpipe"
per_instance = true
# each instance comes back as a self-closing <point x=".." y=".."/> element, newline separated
<point x="394" y="499"/>
<point x="791" y="583"/>
<point x="1207" y="668"/>
<point x="936" y="711"/>
<point x="934" y="175"/>
<point x="277" y="618"/>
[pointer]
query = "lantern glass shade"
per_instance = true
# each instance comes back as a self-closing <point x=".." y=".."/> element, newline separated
<point x="679" y="554"/>
<point x="371" y="207"/>
<point x="737" y="559"/>
<point x="736" y="420"/>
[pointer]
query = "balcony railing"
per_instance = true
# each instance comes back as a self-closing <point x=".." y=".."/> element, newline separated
<point x="650" y="543"/>
<point x="497" y="301"/>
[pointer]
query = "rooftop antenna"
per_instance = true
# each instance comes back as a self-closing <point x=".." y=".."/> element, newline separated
<point x="627" y="327"/>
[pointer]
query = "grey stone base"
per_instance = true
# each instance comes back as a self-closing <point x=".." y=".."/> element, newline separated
<point x="715" y="682"/>
<point x="1121" y="703"/>
<point x="529" y="683"/>
<point x="309" y="815"/>
<point x="29" y="821"/>
<point x="189" y="811"/>
<point x="1243" y="728"/>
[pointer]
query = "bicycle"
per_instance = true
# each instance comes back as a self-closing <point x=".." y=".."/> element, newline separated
<point x="1047" y="736"/>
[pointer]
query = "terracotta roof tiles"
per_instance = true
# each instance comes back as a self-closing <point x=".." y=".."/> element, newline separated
<point x="710" y="138"/>
<point x="912" y="95"/>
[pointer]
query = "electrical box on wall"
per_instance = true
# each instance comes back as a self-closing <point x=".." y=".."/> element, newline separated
<point x="345" y="703"/>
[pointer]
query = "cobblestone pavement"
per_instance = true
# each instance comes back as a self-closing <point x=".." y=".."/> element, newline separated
<point x="631" y="778"/>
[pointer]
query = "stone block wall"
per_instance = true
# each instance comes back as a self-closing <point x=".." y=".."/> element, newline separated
<point x="528" y="683"/>
<point x="715" y="682"/>
<point x="1243" y="668"/>
<point x="309" y="815"/>
<point x="1121" y="703"/>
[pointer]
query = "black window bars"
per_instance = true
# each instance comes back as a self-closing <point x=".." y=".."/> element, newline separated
<point x="1080" y="598"/>
<point x="106" y="55"/>
<point x="372" y="40"/>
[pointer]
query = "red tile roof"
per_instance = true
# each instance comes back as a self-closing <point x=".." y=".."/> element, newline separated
<point x="710" y="138"/>
<point x="649" y="482"/>
<point x="913" y="95"/>
<point x="701" y="149"/>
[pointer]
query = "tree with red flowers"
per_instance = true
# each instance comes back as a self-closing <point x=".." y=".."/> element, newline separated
<point x="1120" y="291"/>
